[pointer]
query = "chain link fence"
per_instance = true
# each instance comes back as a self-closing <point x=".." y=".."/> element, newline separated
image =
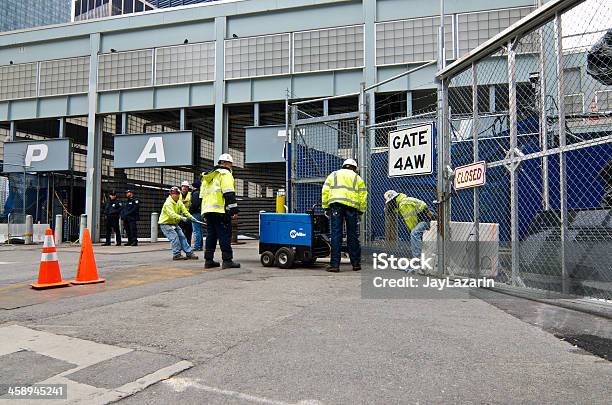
<point x="535" y="109"/>
<point x="535" y="104"/>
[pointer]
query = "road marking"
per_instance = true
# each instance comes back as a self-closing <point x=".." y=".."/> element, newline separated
<point x="1" y="263"/>
<point x="181" y="384"/>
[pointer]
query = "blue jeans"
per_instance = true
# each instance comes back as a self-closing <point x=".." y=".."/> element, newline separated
<point x="175" y="235"/>
<point x="341" y="214"/>
<point x="197" y="232"/>
<point x="416" y="238"/>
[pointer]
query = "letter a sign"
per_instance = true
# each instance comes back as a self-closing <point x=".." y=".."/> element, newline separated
<point x="162" y="149"/>
<point x="411" y="151"/>
<point x="154" y="149"/>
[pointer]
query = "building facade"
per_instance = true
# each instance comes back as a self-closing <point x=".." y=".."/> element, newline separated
<point x="217" y="69"/>
<point x="22" y="14"/>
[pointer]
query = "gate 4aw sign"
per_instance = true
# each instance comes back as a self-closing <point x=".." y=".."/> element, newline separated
<point x="411" y="151"/>
<point x="472" y="175"/>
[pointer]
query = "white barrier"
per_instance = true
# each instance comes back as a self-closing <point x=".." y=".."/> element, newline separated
<point x="18" y="230"/>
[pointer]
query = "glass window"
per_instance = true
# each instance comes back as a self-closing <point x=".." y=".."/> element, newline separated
<point x="77" y="8"/>
<point x="92" y="4"/>
<point x="117" y="7"/>
<point x="139" y="7"/>
<point x="128" y="6"/>
<point x="98" y="3"/>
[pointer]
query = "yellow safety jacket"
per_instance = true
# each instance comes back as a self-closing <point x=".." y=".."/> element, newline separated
<point x="215" y="184"/>
<point x="172" y="212"/>
<point x="409" y="209"/>
<point x="186" y="200"/>
<point x="345" y="187"/>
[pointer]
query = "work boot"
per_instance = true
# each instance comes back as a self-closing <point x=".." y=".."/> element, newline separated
<point x="118" y="244"/>
<point x="179" y="257"/>
<point x="191" y="256"/>
<point x="209" y="264"/>
<point x="230" y="264"/>
<point x="134" y="244"/>
<point x="128" y="244"/>
<point x="357" y="267"/>
<point x="332" y="269"/>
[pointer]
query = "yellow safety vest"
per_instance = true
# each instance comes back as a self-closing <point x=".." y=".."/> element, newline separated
<point x="345" y="187"/>
<point x="172" y="212"/>
<point x="214" y="185"/>
<point x="187" y="200"/>
<point x="409" y="208"/>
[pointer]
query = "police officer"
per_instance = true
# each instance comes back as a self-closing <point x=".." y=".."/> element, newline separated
<point x="416" y="216"/>
<point x="173" y="213"/>
<point x="219" y="207"/>
<point x="130" y="216"/>
<point x="112" y="210"/>
<point x="185" y="197"/>
<point x="344" y="198"/>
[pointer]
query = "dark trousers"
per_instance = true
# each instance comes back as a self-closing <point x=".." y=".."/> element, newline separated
<point x="131" y="229"/>
<point x="112" y="224"/>
<point x="187" y="230"/>
<point x="219" y="229"/>
<point x="340" y="215"/>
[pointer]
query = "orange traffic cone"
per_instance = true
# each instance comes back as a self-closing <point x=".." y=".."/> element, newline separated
<point x="87" y="273"/>
<point x="49" y="275"/>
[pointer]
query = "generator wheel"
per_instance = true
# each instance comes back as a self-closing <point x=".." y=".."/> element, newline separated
<point x="267" y="259"/>
<point x="285" y="258"/>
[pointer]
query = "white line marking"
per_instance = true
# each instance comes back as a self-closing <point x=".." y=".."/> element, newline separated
<point x="181" y="384"/>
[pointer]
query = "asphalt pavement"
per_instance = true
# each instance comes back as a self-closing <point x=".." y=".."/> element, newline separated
<point x="259" y="335"/>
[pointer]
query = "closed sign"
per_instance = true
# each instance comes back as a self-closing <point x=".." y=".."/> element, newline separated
<point x="411" y="151"/>
<point x="472" y="175"/>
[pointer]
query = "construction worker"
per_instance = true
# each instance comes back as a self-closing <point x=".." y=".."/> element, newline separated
<point x="186" y="199"/>
<point x="130" y="215"/>
<point x="416" y="216"/>
<point x="344" y="198"/>
<point x="112" y="210"/>
<point x="219" y="207"/>
<point x="173" y="213"/>
<point x="196" y="210"/>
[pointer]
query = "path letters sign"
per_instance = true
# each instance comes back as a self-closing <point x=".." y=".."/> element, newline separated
<point x="164" y="149"/>
<point x="51" y="155"/>
<point x="411" y="151"/>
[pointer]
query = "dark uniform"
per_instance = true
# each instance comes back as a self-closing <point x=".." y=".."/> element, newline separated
<point x="112" y="210"/>
<point x="131" y="215"/>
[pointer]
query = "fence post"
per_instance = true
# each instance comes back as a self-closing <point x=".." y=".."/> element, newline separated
<point x="475" y="129"/>
<point x="59" y="224"/>
<point x="29" y="230"/>
<point x="291" y="191"/>
<point x="362" y="152"/>
<point x="154" y="227"/>
<point x="511" y="154"/>
<point x="82" y="227"/>
<point x="562" y="157"/>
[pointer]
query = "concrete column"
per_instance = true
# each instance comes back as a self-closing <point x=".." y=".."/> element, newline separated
<point x="62" y="127"/>
<point x="82" y="226"/>
<point x="94" y="146"/>
<point x="221" y="141"/>
<point x="12" y="131"/>
<point x="182" y="119"/>
<point x="29" y="230"/>
<point x="154" y="226"/>
<point x="409" y="108"/>
<point x="492" y="98"/>
<point x="256" y="114"/>
<point x="59" y="229"/>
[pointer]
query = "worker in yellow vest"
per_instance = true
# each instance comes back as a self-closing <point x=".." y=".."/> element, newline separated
<point x="219" y="207"/>
<point x="344" y="197"/>
<point x="173" y="213"/>
<point x="185" y="198"/>
<point x="416" y="215"/>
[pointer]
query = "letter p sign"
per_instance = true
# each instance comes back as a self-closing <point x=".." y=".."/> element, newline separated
<point x="36" y="153"/>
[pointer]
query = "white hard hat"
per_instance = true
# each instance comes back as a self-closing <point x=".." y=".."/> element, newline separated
<point x="349" y="162"/>
<point x="390" y="195"/>
<point x="226" y="157"/>
<point x="185" y="183"/>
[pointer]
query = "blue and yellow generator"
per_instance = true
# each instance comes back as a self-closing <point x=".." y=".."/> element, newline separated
<point x="285" y="239"/>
